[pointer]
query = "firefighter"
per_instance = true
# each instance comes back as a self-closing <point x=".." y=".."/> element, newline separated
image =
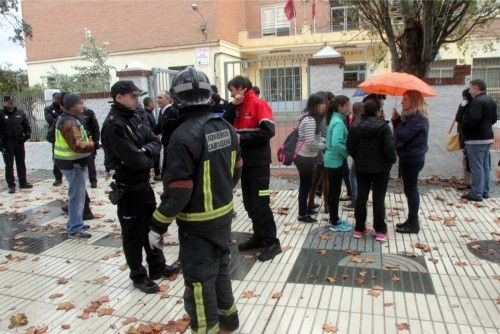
<point x="253" y="119"/>
<point x="14" y="131"/>
<point x="203" y="166"/>
<point x="130" y="148"/>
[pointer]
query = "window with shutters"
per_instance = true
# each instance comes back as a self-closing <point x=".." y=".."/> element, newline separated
<point x="442" y="68"/>
<point x="355" y="72"/>
<point x="487" y="69"/>
<point x="281" y="84"/>
<point x="273" y="20"/>
<point x="343" y="16"/>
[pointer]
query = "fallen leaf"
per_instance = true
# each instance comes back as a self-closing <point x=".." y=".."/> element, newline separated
<point x="62" y="280"/>
<point x="105" y="311"/>
<point x="325" y="237"/>
<point x="395" y="278"/>
<point x="449" y="221"/>
<point x="369" y="260"/>
<point x="344" y="277"/>
<point x="283" y="211"/>
<point x="330" y="328"/>
<point x="331" y="279"/>
<point x="433" y="260"/>
<point x="66" y="306"/>
<point x="322" y="252"/>
<point x="362" y="273"/>
<point x="356" y="259"/>
<point x="388" y="304"/>
<point x="18" y="320"/>
<point x="434" y="218"/>
<point x="65" y="326"/>
<point x="360" y="281"/>
<point x="55" y="296"/>
<point x="403" y="326"/>
<point x="391" y="266"/>
<point x="424" y="247"/>
<point x="286" y="248"/>
<point x="249" y="294"/>
<point x="277" y="295"/>
<point x="460" y="263"/>
<point x="477" y="246"/>
<point x="37" y="330"/>
<point x="100" y="280"/>
<point x="378" y="287"/>
<point x="439" y="198"/>
<point x="373" y="293"/>
<point x="129" y="320"/>
<point x="352" y="252"/>
<point x="498" y="300"/>
<point x="112" y="255"/>
<point x="101" y="299"/>
<point x="85" y="315"/>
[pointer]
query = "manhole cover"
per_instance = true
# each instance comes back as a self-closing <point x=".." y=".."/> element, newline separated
<point x="488" y="250"/>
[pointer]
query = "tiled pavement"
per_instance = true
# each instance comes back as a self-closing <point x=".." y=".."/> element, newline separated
<point x="320" y="275"/>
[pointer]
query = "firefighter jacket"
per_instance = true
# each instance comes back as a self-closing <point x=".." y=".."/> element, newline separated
<point x="203" y="166"/>
<point x="14" y="127"/>
<point x="130" y="147"/>
<point x="254" y="123"/>
<point x="72" y="144"/>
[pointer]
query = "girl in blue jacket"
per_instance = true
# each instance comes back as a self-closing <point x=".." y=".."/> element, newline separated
<point x="336" y="152"/>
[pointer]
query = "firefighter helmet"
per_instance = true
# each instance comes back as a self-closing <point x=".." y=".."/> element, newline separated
<point x="191" y="87"/>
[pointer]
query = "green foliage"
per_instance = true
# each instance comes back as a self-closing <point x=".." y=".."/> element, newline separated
<point x="12" y="81"/>
<point x="22" y="30"/>
<point x="94" y="77"/>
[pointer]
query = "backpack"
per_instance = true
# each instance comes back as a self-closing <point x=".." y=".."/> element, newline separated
<point x="289" y="150"/>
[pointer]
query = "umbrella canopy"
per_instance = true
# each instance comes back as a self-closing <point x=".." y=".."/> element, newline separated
<point x="395" y="84"/>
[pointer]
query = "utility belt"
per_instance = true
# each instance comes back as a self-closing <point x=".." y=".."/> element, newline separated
<point x="119" y="189"/>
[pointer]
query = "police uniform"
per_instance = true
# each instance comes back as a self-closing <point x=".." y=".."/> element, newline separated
<point x="51" y="113"/>
<point x="203" y="166"/>
<point x="14" y="131"/>
<point x="89" y="122"/>
<point x="130" y="148"/>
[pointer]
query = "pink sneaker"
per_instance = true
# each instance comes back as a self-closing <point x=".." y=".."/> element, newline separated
<point x="357" y="235"/>
<point x="382" y="237"/>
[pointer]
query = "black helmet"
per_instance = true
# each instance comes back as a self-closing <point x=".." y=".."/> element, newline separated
<point x="190" y="87"/>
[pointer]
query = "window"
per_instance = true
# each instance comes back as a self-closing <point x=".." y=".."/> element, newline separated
<point x="442" y="69"/>
<point x="273" y="21"/>
<point x="355" y="72"/>
<point x="343" y="17"/>
<point x="487" y="69"/>
<point x="281" y="84"/>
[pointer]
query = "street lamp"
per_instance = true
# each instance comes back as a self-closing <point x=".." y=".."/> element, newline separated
<point x="203" y="26"/>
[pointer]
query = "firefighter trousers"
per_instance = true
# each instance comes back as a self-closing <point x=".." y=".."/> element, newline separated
<point x="255" y="188"/>
<point x="135" y="212"/>
<point x="208" y="296"/>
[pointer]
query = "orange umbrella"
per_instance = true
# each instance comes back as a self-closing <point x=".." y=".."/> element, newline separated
<point x="395" y="84"/>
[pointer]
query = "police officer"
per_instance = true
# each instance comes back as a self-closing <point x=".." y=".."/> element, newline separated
<point x="14" y="131"/>
<point x="91" y="125"/>
<point x="130" y="148"/>
<point x="203" y="166"/>
<point x="253" y="120"/>
<point x="51" y="113"/>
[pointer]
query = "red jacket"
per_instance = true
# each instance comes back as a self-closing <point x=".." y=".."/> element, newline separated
<point x="254" y="123"/>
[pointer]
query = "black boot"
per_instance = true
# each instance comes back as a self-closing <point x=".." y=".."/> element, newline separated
<point x="402" y="224"/>
<point x="409" y="228"/>
<point x="146" y="285"/>
<point x="250" y="244"/>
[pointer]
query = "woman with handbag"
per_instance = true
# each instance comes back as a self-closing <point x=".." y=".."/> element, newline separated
<point x="411" y="132"/>
<point x="466" y="98"/>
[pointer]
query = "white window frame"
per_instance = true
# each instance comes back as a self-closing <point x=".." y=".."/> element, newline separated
<point x="279" y="22"/>
<point x="345" y="25"/>
<point x="281" y="92"/>
<point x="440" y="69"/>
<point x="489" y="72"/>
<point x="358" y="71"/>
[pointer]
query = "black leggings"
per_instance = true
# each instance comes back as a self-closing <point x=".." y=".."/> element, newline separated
<point x="335" y="182"/>
<point x="306" y="167"/>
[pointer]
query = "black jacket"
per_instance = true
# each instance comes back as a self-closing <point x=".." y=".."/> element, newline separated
<point x="148" y="117"/>
<point x="91" y="125"/>
<point x="371" y="145"/>
<point x="477" y="120"/>
<point x="51" y="113"/>
<point x="411" y="136"/>
<point x="130" y="146"/>
<point x="165" y="125"/>
<point x="203" y="166"/>
<point x="14" y="127"/>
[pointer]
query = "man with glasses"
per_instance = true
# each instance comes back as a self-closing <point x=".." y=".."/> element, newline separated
<point x="130" y="148"/>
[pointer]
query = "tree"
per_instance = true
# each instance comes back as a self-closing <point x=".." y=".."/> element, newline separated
<point x="12" y="81"/>
<point x="415" y="30"/>
<point x="94" y="77"/>
<point x="22" y="30"/>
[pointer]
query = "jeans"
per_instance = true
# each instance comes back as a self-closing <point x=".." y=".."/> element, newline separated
<point x="377" y="182"/>
<point x="305" y="166"/>
<point x="335" y="183"/>
<point x="409" y="172"/>
<point x="76" y="198"/>
<point x="480" y="167"/>
<point x="354" y="183"/>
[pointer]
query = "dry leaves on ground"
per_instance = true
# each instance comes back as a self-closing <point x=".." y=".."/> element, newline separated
<point x="277" y="295"/>
<point x="325" y="237"/>
<point x="55" y="296"/>
<point x="352" y="252"/>
<point x="330" y="328"/>
<point x="395" y="278"/>
<point x="249" y="294"/>
<point x="424" y="247"/>
<point x="356" y="259"/>
<point x="283" y="211"/>
<point x="105" y="311"/>
<point x="373" y="293"/>
<point x="66" y="306"/>
<point x="62" y="280"/>
<point x="331" y="279"/>
<point x="449" y="221"/>
<point x="65" y="326"/>
<point x="100" y="280"/>
<point x="391" y="266"/>
<point x="112" y="255"/>
<point x="403" y="326"/>
<point x="322" y="252"/>
<point x="178" y="326"/>
<point x="163" y="290"/>
<point x="388" y="304"/>
<point x="146" y="329"/>
<point x="286" y="248"/>
<point x="460" y="263"/>
<point x="18" y="320"/>
<point x="378" y="287"/>
<point x="434" y="218"/>
<point x="129" y="320"/>
<point x="123" y="267"/>
<point x="37" y="330"/>
<point x="433" y="260"/>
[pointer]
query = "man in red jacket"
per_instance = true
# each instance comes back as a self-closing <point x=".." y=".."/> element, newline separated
<point x="253" y="120"/>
